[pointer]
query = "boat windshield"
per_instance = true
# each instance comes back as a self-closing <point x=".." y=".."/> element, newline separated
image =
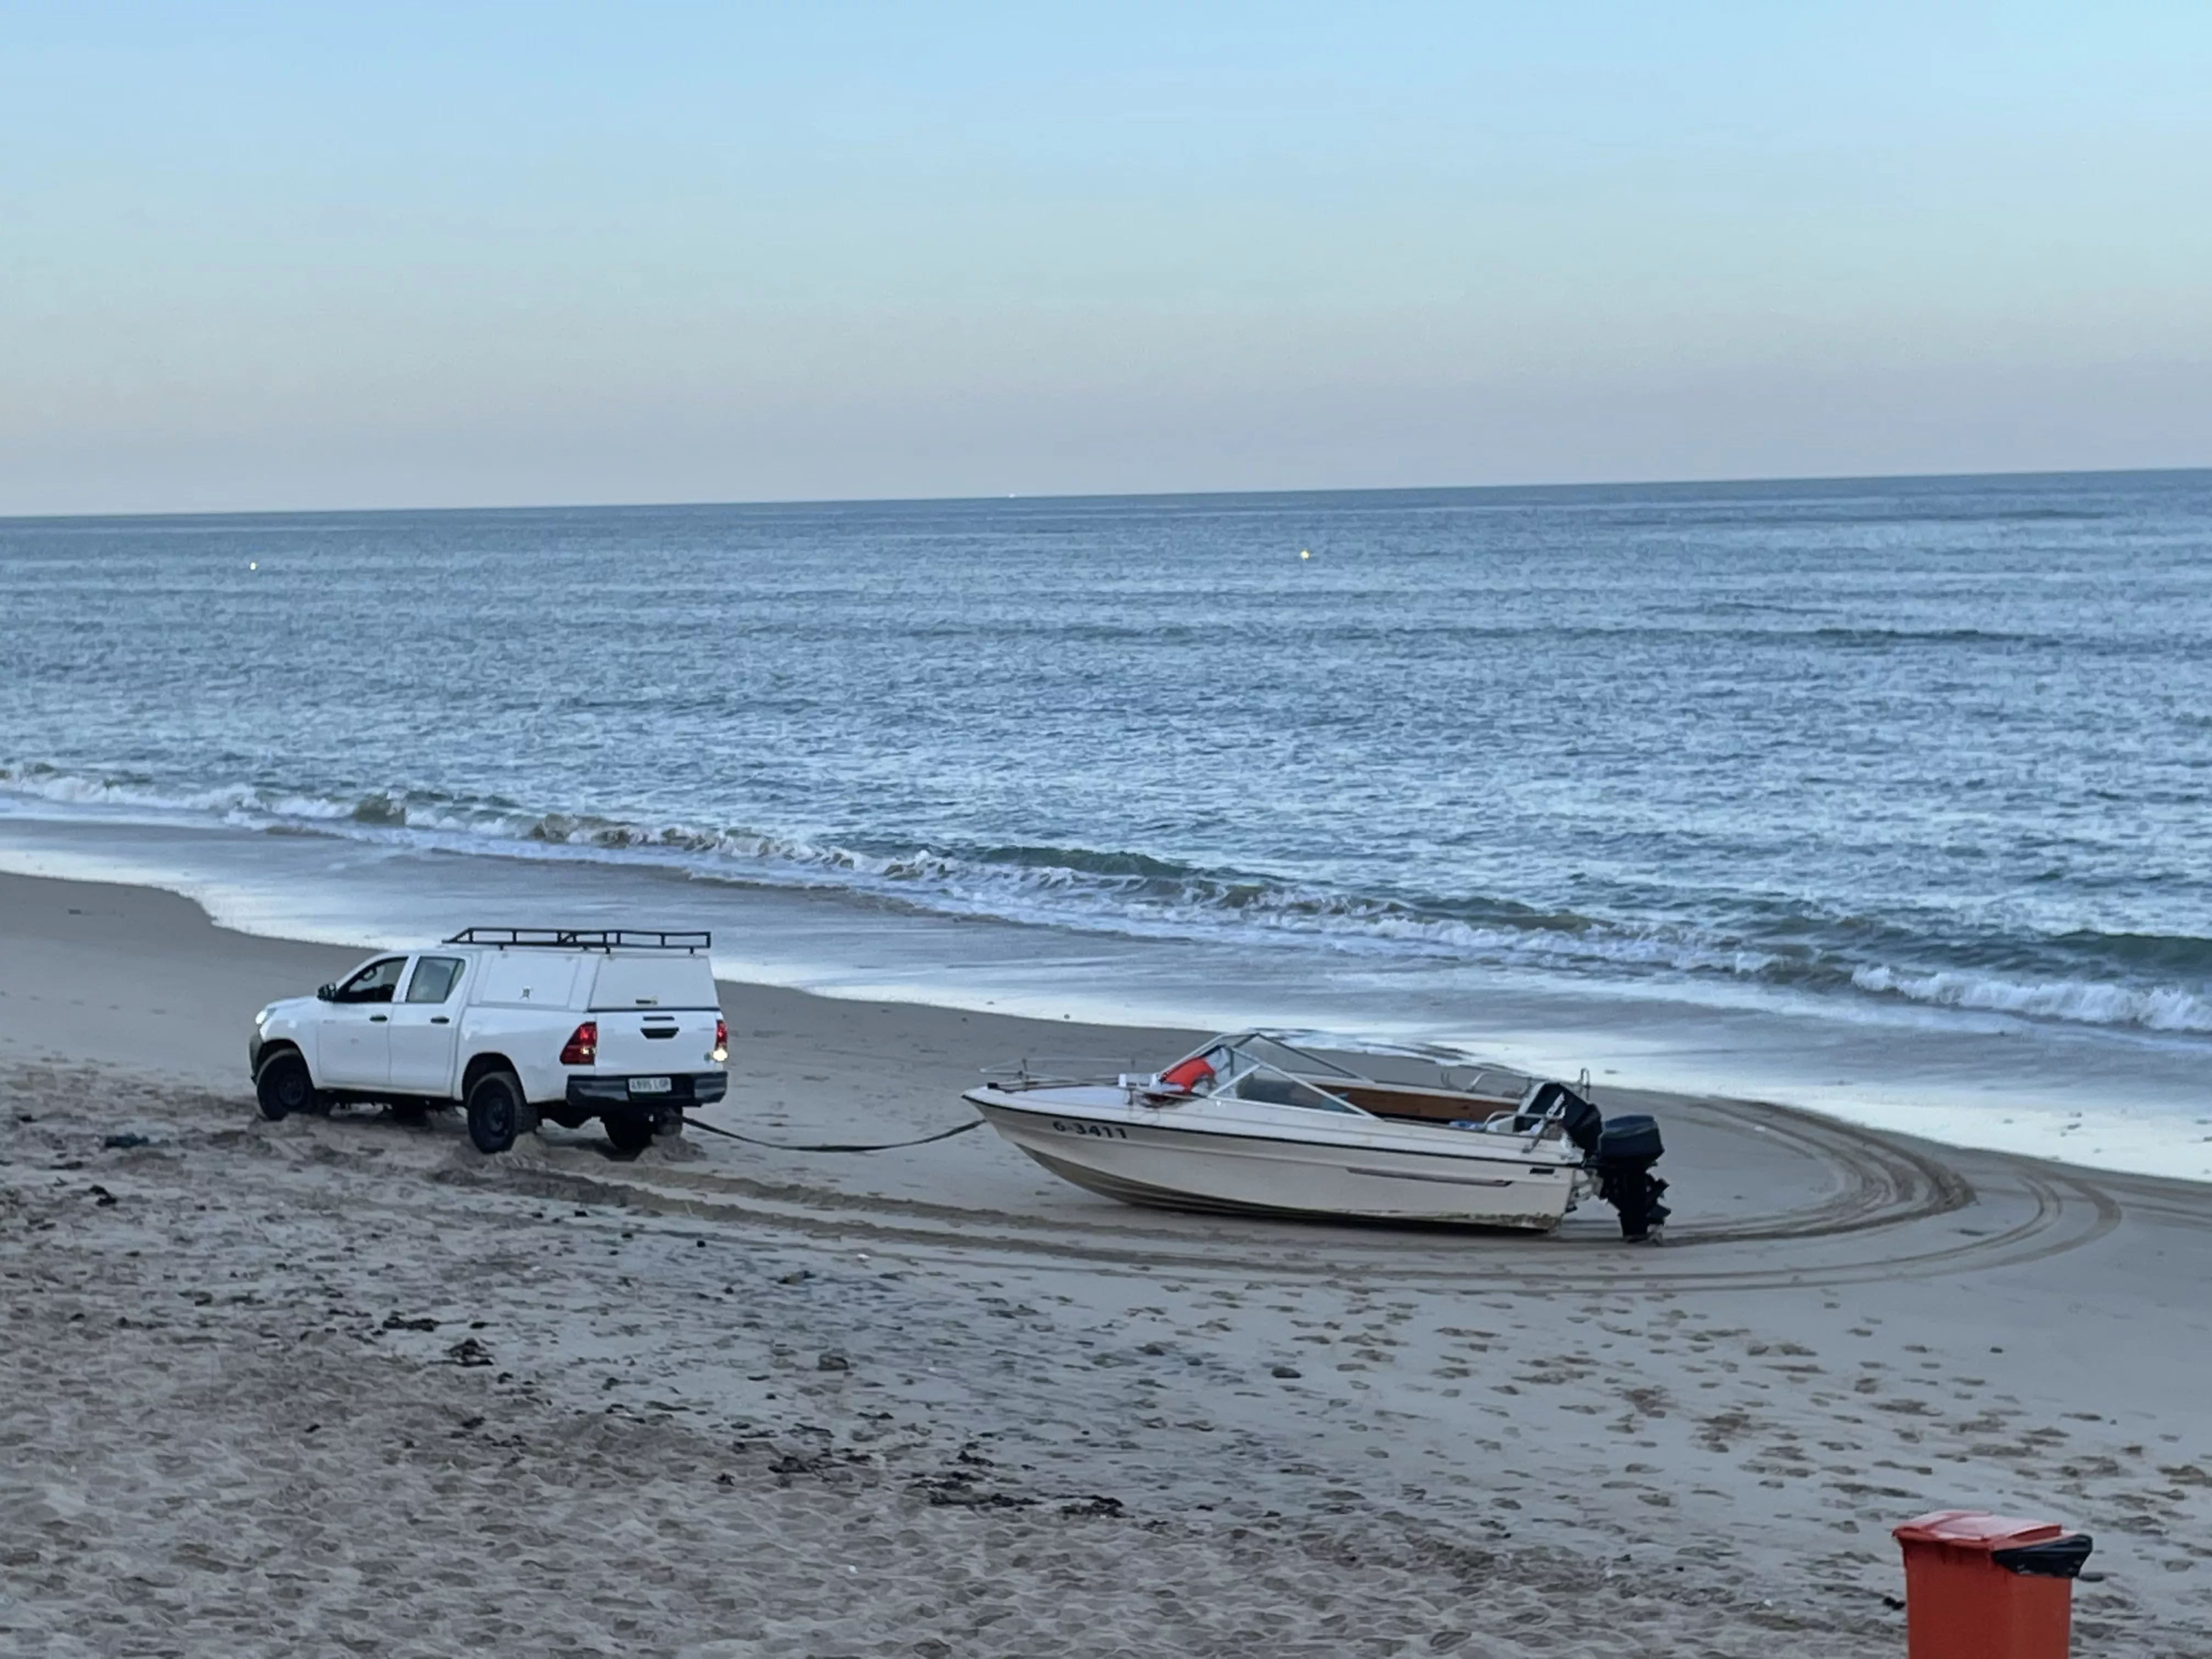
<point x="1256" y="1067"/>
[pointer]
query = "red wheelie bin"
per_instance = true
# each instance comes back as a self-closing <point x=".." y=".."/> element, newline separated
<point x="1980" y="1586"/>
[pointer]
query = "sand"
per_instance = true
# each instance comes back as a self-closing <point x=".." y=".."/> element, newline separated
<point x="343" y="1384"/>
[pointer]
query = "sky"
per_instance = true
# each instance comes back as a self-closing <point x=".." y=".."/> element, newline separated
<point x="303" y="256"/>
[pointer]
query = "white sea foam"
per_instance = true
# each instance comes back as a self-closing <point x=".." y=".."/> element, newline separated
<point x="2155" y="1008"/>
<point x="1155" y="902"/>
<point x="1132" y="897"/>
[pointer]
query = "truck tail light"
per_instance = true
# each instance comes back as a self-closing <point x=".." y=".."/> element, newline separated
<point x="582" y="1047"/>
<point x="721" y="1041"/>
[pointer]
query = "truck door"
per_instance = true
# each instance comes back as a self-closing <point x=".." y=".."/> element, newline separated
<point x="353" y="1041"/>
<point x="424" y="1027"/>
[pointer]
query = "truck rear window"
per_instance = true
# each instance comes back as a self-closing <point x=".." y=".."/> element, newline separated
<point x="654" y="982"/>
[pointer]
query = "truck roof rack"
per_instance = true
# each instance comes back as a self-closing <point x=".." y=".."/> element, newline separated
<point x="587" y="939"/>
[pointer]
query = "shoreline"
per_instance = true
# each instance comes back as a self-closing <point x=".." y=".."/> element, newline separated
<point x="917" y="1362"/>
<point x="2092" y="1099"/>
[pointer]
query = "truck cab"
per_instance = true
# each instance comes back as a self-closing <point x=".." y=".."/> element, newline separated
<point x="510" y="1024"/>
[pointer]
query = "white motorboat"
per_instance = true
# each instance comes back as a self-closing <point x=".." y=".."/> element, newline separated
<point x="1249" y="1123"/>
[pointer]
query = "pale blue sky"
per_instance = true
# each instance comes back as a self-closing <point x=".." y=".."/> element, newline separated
<point x="299" y="255"/>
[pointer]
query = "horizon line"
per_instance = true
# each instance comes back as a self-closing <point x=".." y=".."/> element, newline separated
<point x="1106" y="495"/>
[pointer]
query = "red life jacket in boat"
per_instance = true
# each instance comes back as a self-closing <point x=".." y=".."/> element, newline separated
<point x="1186" y="1075"/>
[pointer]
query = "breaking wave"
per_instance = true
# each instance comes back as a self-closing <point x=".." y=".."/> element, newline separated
<point x="2151" y="1008"/>
<point x="2155" y="985"/>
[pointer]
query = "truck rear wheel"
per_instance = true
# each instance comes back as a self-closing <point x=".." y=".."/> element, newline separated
<point x="495" y="1109"/>
<point x="629" y="1128"/>
<point x="283" y="1087"/>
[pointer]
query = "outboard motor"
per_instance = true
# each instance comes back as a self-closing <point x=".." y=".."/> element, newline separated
<point x="1627" y="1148"/>
<point x="1621" y="1149"/>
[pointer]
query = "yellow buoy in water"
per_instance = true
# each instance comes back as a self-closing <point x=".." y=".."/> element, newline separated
<point x="1304" y="554"/>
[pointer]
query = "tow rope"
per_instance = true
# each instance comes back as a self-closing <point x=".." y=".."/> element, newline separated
<point x="786" y="1146"/>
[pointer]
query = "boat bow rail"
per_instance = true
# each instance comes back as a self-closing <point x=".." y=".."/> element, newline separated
<point x="1057" y="1071"/>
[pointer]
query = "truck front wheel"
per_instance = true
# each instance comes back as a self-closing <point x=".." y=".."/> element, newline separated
<point x="495" y="1108"/>
<point x="283" y="1087"/>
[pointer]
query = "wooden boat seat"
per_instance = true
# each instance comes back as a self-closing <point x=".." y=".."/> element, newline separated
<point x="1422" y="1105"/>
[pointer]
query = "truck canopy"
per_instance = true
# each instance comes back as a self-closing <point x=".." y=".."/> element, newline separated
<point x="528" y="979"/>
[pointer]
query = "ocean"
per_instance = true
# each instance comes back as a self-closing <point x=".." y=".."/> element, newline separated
<point x="1885" y="796"/>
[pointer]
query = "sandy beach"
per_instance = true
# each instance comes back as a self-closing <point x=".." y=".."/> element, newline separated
<point x="342" y="1384"/>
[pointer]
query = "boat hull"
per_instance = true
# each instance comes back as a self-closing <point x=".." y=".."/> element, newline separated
<point x="1348" y="1168"/>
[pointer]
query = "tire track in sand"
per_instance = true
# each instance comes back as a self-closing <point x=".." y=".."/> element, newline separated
<point x="1882" y="1220"/>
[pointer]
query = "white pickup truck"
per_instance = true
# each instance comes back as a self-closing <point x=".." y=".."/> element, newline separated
<point x="509" y="1023"/>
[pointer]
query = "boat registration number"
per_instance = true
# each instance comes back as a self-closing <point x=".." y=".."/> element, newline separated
<point x="649" y="1085"/>
<point x="1103" y="1131"/>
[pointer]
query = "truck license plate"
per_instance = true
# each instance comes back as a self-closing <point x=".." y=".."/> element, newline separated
<point x="648" y="1085"/>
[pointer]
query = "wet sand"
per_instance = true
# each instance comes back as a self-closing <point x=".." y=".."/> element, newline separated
<point x="277" y="1388"/>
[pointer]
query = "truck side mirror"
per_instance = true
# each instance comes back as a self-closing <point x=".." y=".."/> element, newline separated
<point x="326" y="992"/>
